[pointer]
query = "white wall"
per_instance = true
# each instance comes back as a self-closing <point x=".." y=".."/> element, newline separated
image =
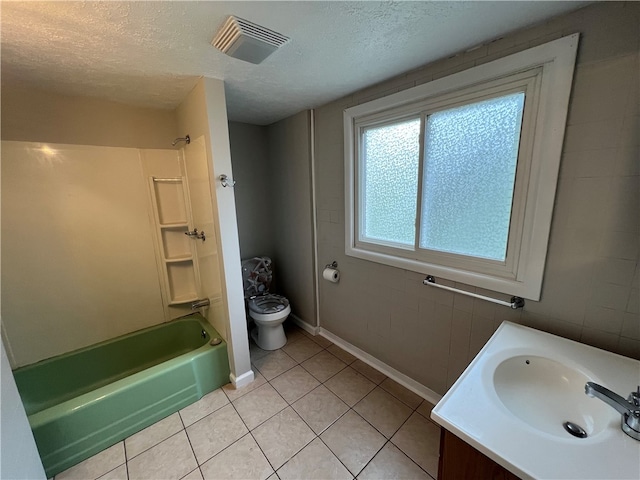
<point x="204" y="112"/>
<point x="19" y="458"/>
<point x="33" y="115"/>
<point x="77" y="251"/>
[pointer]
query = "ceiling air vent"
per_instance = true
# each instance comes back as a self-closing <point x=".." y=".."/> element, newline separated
<point x="247" y="41"/>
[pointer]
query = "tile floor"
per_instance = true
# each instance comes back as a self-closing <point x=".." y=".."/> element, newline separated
<point x="313" y="412"/>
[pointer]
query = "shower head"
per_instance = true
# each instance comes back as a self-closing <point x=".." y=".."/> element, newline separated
<point x="186" y="140"/>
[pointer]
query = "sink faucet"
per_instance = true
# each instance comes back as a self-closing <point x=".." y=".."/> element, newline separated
<point x="629" y="408"/>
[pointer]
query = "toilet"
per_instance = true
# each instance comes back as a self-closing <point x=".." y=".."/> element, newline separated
<point x="268" y="311"/>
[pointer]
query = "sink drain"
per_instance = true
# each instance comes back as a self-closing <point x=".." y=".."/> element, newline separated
<point x="575" y="430"/>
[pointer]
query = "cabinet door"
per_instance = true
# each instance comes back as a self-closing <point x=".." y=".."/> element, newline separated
<point x="459" y="460"/>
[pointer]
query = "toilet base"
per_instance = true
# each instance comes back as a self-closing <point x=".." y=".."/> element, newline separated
<point x="269" y="338"/>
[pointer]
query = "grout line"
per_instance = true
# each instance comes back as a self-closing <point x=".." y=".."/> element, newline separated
<point x="197" y="468"/>
<point x="332" y="452"/>
<point x="411" y="459"/>
<point x="376" y="454"/>
<point x="126" y="459"/>
<point x="218" y="453"/>
<point x="251" y="433"/>
<point x="105" y="473"/>
<point x="289" y="459"/>
<point x="263" y="454"/>
<point x="186" y="434"/>
<point x="155" y="444"/>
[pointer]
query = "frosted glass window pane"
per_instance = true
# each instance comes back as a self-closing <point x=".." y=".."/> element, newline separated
<point x="470" y="164"/>
<point x="389" y="187"/>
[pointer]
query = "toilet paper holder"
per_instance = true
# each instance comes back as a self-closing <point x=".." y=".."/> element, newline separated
<point x="333" y="264"/>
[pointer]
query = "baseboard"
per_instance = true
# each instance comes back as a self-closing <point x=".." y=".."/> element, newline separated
<point x="304" y="325"/>
<point x="242" y="380"/>
<point x="382" y="367"/>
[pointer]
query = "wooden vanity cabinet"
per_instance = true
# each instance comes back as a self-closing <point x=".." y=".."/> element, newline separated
<point x="459" y="460"/>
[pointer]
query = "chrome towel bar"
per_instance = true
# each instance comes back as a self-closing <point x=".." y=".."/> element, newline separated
<point x="516" y="302"/>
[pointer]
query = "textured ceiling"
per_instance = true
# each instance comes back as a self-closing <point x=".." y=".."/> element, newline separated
<point x="151" y="53"/>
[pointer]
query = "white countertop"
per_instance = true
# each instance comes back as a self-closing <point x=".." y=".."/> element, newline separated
<point x="473" y="411"/>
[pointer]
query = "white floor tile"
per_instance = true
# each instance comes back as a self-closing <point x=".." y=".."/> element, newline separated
<point x="273" y="364"/>
<point x="294" y="384"/>
<point x="383" y="411"/>
<point x="302" y="349"/>
<point x="323" y="366"/>
<point x="203" y="407"/>
<point x="350" y="386"/>
<point x="152" y="435"/>
<point x="402" y="393"/>
<point x="320" y="408"/>
<point x="169" y="460"/>
<point x="392" y="463"/>
<point x="343" y="355"/>
<point x="257" y="406"/>
<point x="119" y="473"/>
<point x="420" y="440"/>
<point x="215" y="432"/>
<point x="368" y="371"/>
<point x="194" y="475"/>
<point x="353" y="441"/>
<point x="281" y="437"/>
<point x="314" y="462"/>
<point x="425" y="409"/>
<point x="241" y="461"/>
<point x="97" y="465"/>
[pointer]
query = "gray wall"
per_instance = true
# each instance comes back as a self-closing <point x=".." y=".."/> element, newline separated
<point x="591" y="284"/>
<point x="272" y="166"/>
<point x="251" y="171"/>
<point x="290" y="160"/>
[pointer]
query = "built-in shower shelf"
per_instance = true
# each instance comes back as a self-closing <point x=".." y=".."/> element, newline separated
<point x="178" y="259"/>
<point x="174" y="225"/>
<point x="183" y="299"/>
<point x="172" y="214"/>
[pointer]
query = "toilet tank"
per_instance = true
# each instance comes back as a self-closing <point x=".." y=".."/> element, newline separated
<point x="256" y="276"/>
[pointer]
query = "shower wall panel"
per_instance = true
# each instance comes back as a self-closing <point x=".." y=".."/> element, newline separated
<point x="78" y="263"/>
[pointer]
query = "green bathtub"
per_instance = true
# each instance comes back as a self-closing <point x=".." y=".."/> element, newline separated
<point x="82" y="402"/>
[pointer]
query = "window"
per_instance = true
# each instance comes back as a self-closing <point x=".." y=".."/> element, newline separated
<point x="456" y="178"/>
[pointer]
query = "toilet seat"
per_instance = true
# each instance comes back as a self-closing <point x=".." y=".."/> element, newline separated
<point x="268" y="304"/>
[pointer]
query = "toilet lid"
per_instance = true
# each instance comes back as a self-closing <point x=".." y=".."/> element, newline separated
<point x="268" y="304"/>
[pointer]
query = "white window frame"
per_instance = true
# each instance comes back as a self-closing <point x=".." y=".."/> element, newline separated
<point x="546" y="72"/>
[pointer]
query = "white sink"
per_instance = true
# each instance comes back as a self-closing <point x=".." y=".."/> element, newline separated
<point x="545" y="394"/>
<point x="512" y="400"/>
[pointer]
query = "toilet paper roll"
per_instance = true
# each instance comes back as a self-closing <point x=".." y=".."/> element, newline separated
<point x="331" y="274"/>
